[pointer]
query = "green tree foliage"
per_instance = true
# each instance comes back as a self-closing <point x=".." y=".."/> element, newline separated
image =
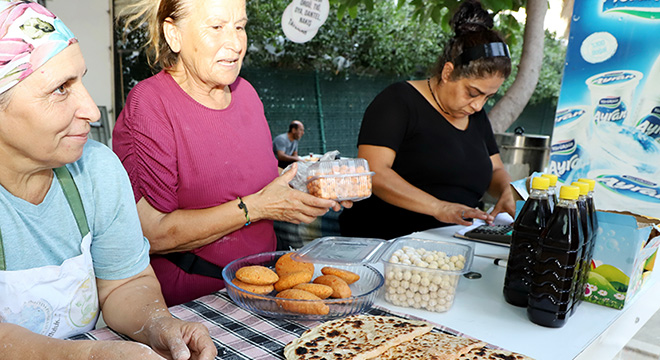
<point x="439" y="11"/>
<point x="554" y="54"/>
<point x="387" y="38"/>
<point x="382" y="41"/>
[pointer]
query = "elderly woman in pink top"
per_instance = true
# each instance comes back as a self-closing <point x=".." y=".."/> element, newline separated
<point x="198" y="150"/>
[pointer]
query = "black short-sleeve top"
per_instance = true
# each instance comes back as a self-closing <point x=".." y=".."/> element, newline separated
<point x="451" y="164"/>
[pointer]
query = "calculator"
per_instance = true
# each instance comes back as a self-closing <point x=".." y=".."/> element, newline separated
<point x="500" y="234"/>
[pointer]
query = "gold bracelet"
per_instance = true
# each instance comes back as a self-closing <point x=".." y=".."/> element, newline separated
<point x="241" y="205"/>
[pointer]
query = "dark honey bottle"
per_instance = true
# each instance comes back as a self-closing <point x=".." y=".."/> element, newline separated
<point x="552" y="190"/>
<point x="583" y="209"/>
<point x="592" y="215"/>
<point x="555" y="273"/>
<point x="527" y="228"/>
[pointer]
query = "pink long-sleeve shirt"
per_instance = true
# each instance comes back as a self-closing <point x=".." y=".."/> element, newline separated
<point x="180" y="154"/>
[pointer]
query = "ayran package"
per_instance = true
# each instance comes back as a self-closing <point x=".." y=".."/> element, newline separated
<point x="624" y="255"/>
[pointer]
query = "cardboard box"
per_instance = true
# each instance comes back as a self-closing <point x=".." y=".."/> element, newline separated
<point x="623" y="258"/>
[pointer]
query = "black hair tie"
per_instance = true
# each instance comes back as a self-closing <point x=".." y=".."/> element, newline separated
<point x="494" y="49"/>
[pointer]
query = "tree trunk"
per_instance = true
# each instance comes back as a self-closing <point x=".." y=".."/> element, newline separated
<point x="511" y="105"/>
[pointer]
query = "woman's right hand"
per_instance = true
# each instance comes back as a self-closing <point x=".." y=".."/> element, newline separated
<point x="278" y="201"/>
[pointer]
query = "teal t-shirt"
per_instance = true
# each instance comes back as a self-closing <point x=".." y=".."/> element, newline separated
<point x="47" y="234"/>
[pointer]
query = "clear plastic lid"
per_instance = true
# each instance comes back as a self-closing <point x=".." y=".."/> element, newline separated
<point x="344" y="179"/>
<point x="342" y="250"/>
<point x="349" y="250"/>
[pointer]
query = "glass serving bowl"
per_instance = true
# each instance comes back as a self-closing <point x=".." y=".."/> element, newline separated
<point x="364" y="291"/>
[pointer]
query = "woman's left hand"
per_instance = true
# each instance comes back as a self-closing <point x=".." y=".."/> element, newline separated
<point x="180" y="340"/>
<point x="505" y="204"/>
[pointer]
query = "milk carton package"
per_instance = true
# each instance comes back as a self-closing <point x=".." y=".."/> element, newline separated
<point x="607" y="125"/>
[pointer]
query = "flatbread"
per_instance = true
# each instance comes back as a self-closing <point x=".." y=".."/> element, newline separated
<point x="431" y="346"/>
<point x="356" y="337"/>
<point x="484" y="353"/>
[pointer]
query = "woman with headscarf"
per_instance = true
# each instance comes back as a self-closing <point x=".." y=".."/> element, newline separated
<point x="70" y="240"/>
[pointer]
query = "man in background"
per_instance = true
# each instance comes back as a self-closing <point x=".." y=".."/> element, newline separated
<point x="285" y="146"/>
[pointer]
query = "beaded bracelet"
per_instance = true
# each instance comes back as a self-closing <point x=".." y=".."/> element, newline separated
<point x="241" y="205"/>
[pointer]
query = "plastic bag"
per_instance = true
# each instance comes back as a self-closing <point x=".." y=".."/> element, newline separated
<point x="299" y="181"/>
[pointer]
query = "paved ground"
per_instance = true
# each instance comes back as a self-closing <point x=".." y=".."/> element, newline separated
<point x="645" y="345"/>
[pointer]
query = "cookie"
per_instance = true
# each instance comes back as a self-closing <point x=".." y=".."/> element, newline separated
<point x="257" y="289"/>
<point x="286" y="265"/>
<point x="257" y="275"/>
<point x="302" y="307"/>
<point x="340" y="289"/>
<point x="292" y="279"/>
<point x="348" y="276"/>
<point x="320" y="290"/>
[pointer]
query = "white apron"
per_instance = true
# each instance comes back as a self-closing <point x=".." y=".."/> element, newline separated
<point x="57" y="301"/>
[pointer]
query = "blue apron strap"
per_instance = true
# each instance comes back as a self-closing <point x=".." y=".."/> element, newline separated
<point x="75" y="203"/>
<point x="73" y="198"/>
<point x="3" y="266"/>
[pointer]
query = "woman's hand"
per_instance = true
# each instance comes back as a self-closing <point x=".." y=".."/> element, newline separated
<point x="278" y="201"/>
<point x="500" y="188"/>
<point x="453" y="213"/>
<point x="135" y="307"/>
<point x="119" y="350"/>
<point x="179" y="340"/>
<point x="505" y="204"/>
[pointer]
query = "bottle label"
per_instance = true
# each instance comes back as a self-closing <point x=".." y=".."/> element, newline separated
<point x="568" y="116"/>
<point x="640" y="8"/>
<point x="650" y="124"/>
<point x="611" y="94"/>
<point x="565" y="158"/>
<point x="610" y="109"/>
<point x="632" y="187"/>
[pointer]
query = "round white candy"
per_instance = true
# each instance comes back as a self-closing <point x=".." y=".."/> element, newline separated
<point x="415" y="279"/>
<point x="407" y="275"/>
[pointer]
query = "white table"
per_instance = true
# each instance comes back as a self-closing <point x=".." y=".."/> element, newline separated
<point x="480" y="311"/>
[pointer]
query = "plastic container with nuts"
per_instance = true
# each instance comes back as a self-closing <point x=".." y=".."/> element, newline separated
<point x="344" y="179"/>
<point x="424" y="274"/>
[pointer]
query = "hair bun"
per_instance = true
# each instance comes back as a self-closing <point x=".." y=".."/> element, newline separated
<point x="471" y="17"/>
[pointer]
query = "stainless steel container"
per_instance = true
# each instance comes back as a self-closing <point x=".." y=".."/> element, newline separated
<point x="523" y="154"/>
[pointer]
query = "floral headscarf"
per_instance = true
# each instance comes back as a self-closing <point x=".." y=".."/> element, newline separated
<point x="29" y="36"/>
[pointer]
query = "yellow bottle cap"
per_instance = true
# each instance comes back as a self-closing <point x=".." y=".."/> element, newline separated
<point x="569" y="192"/>
<point x="540" y="183"/>
<point x="584" y="187"/>
<point x="591" y="182"/>
<point x="552" y="177"/>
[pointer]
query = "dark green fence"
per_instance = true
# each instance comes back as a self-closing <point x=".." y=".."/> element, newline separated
<point x="331" y="107"/>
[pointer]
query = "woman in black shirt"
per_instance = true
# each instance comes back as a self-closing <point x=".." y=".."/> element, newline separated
<point x="430" y="142"/>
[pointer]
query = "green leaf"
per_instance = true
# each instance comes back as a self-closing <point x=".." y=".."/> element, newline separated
<point x="436" y="14"/>
<point x="400" y="4"/>
<point x="369" y="4"/>
<point x="353" y="12"/>
<point x="446" y="17"/>
<point x="341" y="11"/>
<point x="497" y="5"/>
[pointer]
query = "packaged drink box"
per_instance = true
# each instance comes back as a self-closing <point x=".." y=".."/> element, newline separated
<point x="607" y="124"/>
<point x="623" y="259"/>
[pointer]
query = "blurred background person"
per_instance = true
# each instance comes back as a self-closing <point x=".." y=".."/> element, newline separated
<point x="70" y="240"/>
<point x="430" y="142"/>
<point x="198" y="151"/>
<point x="285" y="146"/>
